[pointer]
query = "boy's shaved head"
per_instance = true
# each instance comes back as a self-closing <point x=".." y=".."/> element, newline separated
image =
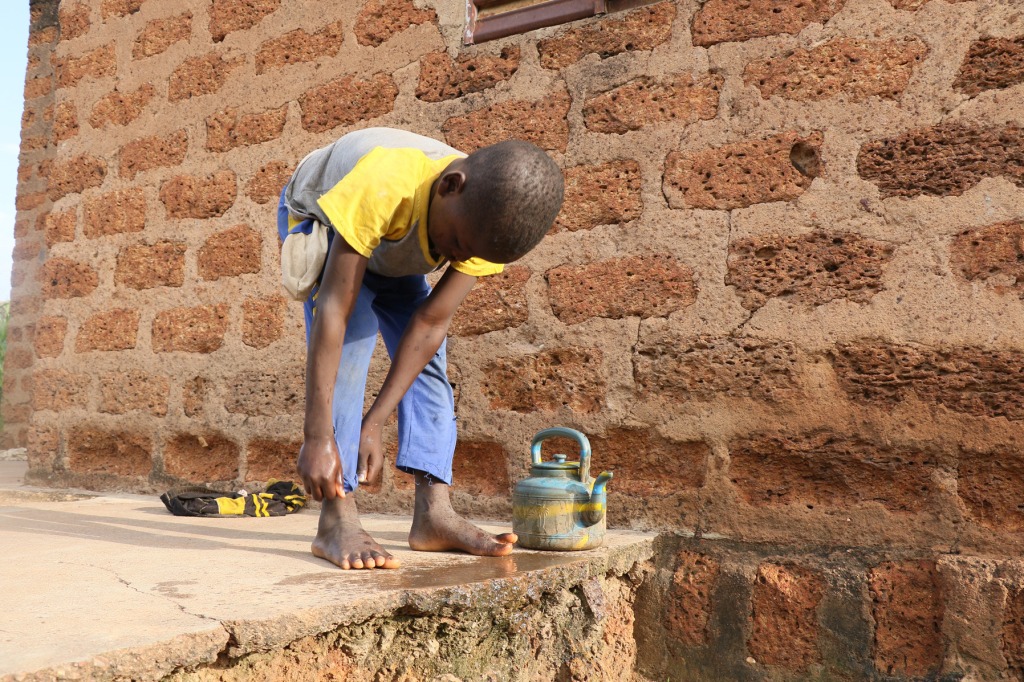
<point x="513" y="191"/>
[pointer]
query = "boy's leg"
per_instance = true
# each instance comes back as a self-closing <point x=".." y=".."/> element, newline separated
<point x="427" y="433"/>
<point x="340" y="537"/>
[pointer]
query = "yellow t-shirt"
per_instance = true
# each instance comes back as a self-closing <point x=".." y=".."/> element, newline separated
<point x="384" y="196"/>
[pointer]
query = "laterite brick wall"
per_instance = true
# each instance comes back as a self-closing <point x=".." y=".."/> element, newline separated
<point x="784" y="298"/>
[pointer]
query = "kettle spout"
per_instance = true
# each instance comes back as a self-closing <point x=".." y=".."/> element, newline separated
<point x="601" y="482"/>
<point x="595" y="509"/>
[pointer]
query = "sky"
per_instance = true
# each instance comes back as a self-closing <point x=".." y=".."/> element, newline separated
<point x="13" y="59"/>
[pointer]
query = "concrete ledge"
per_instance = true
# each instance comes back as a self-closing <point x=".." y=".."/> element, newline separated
<point x="114" y="587"/>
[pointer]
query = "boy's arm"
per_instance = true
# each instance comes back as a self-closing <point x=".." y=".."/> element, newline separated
<point x="422" y="337"/>
<point x="319" y="465"/>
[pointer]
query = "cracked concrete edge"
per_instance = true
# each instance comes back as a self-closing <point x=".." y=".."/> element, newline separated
<point x="252" y="636"/>
<point x="235" y="638"/>
<point x="153" y="662"/>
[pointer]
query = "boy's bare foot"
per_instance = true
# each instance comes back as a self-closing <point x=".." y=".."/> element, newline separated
<point x="340" y="538"/>
<point x="437" y="528"/>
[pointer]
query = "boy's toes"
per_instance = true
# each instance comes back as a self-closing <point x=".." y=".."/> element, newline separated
<point x="387" y="561"/>
<point x="507" y="538"/>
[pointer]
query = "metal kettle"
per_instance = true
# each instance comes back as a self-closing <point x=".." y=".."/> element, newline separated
<point x="559" y="506"/>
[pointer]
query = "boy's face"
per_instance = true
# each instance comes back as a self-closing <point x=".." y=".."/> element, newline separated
<point x="451" y="233"/>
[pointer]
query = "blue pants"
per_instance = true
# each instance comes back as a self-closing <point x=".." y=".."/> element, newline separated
<point x="426" y="414"/>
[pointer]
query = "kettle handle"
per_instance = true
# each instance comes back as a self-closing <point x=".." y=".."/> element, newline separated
<point x="563" y="432"/>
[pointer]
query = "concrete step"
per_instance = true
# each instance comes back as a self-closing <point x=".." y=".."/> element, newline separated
<point x="103" y="586"/>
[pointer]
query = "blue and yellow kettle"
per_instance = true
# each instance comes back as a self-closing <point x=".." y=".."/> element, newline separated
<point x="560" y="507"/>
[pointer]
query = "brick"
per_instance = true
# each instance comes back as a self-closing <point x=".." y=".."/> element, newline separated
<point x="29" y="201"/>
<point x="282" y="392"/>
<point x="146" y="267"/>
<point x="690" y="598"/>
<point x="227" y="129"/>
<point x="547" y="381"/>
<point x="605" y="194"/>
<point x="65" y="121"/>
<point x="380" y="20"/>
<point x="969" y="380"/>
<point x="26" y="172"/>
<point x="227" y="16"/>
<point x="74" y="21"/>
<point x="647" y="100"/>
<point x="269" y="180"/>
<point x="153" y="152"/>
<point x="190" y="330"/>
<point x="989" y="484"/>
<point x="478" y="468"/>
<point x="120" y="108"/>
<point x="994" y="251"/>
<point x="543" y="122"/>
<point x="120" y="8"/>
<point x="26" y="306"/>
<point x="17" y="358"/>
<point x="97" y="451"/>
<point x="908" y="605"/>
<point x="116" y="212"/>
<point x="481" y="468"/>
<point x="442" y="78"/>
<point x="947" y="159"/>
<point x="16" y="414"/>
<point x="110" y="330"/>
<point x="197" y="76"/>
<point x="194" y="395"/>
<point x="65" y="278"/>
<point x="742" y="174"/>
<point x="23" y="229"/>
<point x="831" y="471"/>
<point x="48" y="340"/>
<point x="262" y="321"/>
<point x="188" y="196"/>
<point x="1013" y="630"/>
<point x="34" y="143"/>
<point x="784" y="622"/>
<point x="201" y="458"/>
<point x="95" y="64"/>
<point x="298" y="46"/>
<point x="230" y="253"/>
<point x="159" y="34"/>
<point x="346" y="101"/>
<point x="73" y="175"/>
<point x="58" y="390"/>
<point x="38" y="86"/>
<point x="809" y="269"/>
<point x="496" y="302"/>
<point x="719" y="21"/>
<point x="28" y="249"/>
<point x="644" y="286"/>
<point x="123" y="392"/>
<point x="43" y="36"/>
<point x="43" y="445"/>
<point x="267" y="459"/>
<point x="680" y="367"/>
<point x="643" y="29"/>
<point x="856" y="69"/>
<point x="990" y="64"/>
<point x="645" y="464"/>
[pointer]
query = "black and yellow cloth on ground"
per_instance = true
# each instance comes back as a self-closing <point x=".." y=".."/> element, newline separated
<point x="280" y="498"/>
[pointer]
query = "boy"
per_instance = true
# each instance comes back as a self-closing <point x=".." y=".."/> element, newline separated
<point x="398" y="206"/>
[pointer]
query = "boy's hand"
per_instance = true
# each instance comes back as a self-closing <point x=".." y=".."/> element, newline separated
<point x="371" y="458"/>
<point x="319" y="467"/>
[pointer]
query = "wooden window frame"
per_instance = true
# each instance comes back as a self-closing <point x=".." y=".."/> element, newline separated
<point x="486" y="20"/>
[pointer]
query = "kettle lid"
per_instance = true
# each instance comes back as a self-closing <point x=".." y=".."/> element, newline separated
<point x="558" y="464"/>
